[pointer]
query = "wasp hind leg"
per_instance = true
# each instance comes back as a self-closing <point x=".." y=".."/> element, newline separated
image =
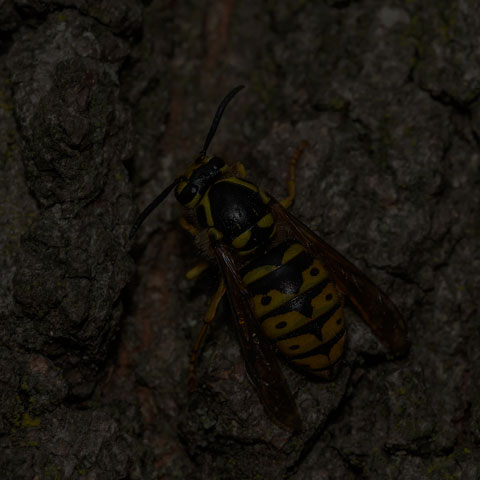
<point x="207" y="320"/>
<point x="197" y="270"/>
<point x="288" y="200"/>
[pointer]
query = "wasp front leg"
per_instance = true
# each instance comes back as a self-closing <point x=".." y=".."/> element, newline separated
<point x="200" y="267"/>
<point x="194" y="272"/>
<point x="207" y="320"/>
<point x="287" y="201"/>
<point x="188" y="227"/>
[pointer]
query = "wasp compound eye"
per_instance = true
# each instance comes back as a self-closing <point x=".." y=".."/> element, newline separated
<point x="190" y="192"/>
<point x="187" y="194"/>
<point x="216" y="163"/>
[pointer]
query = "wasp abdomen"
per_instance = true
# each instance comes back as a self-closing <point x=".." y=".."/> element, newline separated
<point x="298" y="307"/>
<point x="238" y="212"/>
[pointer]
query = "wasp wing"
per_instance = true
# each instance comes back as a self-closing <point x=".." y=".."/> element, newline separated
<point x="258" y="352"/>
<point x="375" y="307"/>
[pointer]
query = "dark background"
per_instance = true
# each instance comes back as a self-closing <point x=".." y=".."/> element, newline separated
<point x="103" y="103"/>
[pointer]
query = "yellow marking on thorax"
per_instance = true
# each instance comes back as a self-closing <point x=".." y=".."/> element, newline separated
<point x="215" y="233"/>
<point x="265" y="221"/>
<point x="239" y="181"/>
<point x="274" y="230"/>
<point x="205" y="202"/>
<point x="242" y="239"/>
<point x="193" y="202"/>
<point x="264" y="196"/>
<point x="247" y="252"/>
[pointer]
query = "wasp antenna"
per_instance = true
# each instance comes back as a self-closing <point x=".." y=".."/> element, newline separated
<point x="218" y="116"/>
<point x="140" y="219"/>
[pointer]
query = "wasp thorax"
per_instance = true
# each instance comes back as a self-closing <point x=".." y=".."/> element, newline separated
<point x="197" y="178"/>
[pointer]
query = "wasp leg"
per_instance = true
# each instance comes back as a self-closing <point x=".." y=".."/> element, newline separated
<point x="197" y="270"/>
<point x="239" y="169"/>
<point x="207" y="320"/>
<point x="287" y="201"/>
<point x="187" y="226"/>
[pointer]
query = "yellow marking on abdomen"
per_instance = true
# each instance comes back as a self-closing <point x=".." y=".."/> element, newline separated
<point x="325" y="300"/>
<point x="310" y="280"/>
<point x="257" y="273"/>
<point x="247" y="252"/>
<point x="337" y="349"/>
<point x="260" y="272"/>
<point x="277" y="298"/>
<point x="323" y="361"/>
<point x="299" y="344"/>
<point x="292" y="252"/>
<point x="333" y="325"/>
<point x="280" y="325"/>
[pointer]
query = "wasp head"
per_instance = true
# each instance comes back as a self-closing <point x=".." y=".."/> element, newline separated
<point x="205" y="170"/>
<point x="202" y="173"/>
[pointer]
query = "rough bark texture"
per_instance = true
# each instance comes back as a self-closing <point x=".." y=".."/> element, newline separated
<point x="103" y="103"/>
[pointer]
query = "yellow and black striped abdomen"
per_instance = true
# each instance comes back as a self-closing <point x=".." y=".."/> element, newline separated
<point x="298" y="307"/>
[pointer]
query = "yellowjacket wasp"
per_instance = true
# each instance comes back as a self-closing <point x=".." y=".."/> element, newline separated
<point x="286" y="286"/>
